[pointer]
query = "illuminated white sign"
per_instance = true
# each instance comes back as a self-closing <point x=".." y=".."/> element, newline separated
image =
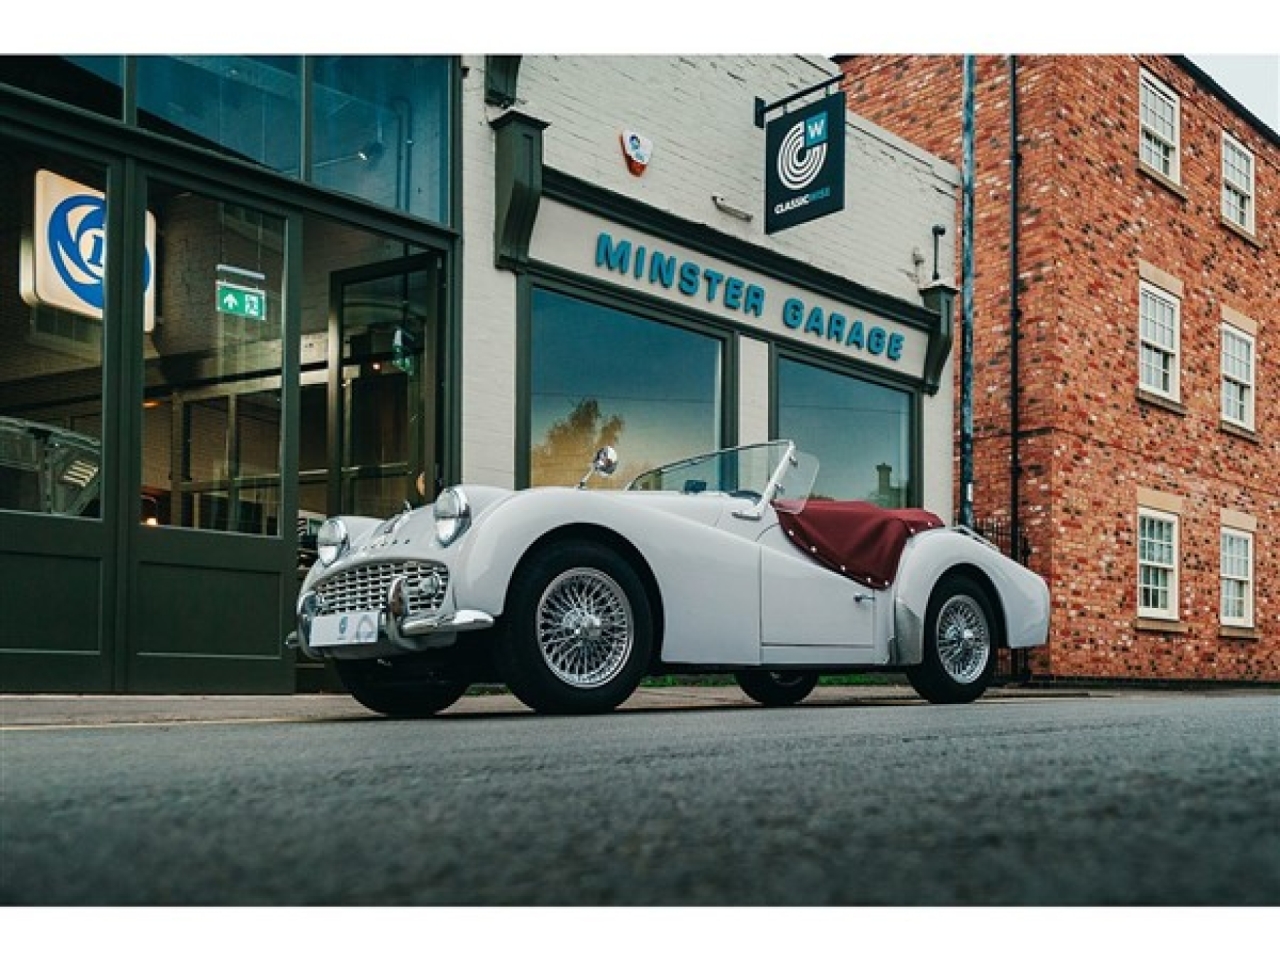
<point x="64" y="266"/>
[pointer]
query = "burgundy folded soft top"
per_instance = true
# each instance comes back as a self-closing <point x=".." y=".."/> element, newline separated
<point x="860" y="540"/>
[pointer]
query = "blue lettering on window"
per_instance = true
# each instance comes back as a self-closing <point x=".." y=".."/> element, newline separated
<point x="689" y="273"/>
<point x="896" y="343"/>
<point x="615" y="257"/>
<point x="876" y="341"/>
<point x="662" y="269"/>
<point x="793" y="313"/>
<point x="713" y="279"/>
<point x="814" y="324"/>
<point x="733" y="288"/>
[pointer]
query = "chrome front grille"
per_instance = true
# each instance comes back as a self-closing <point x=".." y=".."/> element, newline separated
<point x="365" y="587"/>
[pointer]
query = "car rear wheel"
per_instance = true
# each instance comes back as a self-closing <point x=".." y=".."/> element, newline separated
<point x="961" y="635"/>
<point x="777" y="688"/>
<point x="398" y="689"/>
<point x="578" y="630"/>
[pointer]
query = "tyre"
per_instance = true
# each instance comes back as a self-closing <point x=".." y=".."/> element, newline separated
<point x="578" y="630"/>
<point x="398" y="689"/>
<point x="777" y="688"/>
<point x="961" y="634"/>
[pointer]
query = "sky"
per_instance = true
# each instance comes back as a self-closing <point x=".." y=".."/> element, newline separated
<point x="1254" y="80"/>
<point x="1233" y="44"/>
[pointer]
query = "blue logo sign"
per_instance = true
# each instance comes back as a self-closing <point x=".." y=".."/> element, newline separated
<point x="78" y="244"/>
<point x="804" y="168"/>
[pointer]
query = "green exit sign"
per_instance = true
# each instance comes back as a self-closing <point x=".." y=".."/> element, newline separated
<point x="242" y="301"/>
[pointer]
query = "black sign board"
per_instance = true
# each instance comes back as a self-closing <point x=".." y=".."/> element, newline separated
<point x="804" y="164"/>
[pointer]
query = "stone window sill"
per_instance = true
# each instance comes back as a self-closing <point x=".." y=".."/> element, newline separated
<point x="1152" y="625"/>
<point x="1171" y="185"/>
<point x="1240" y="232"/>
<point x="1164" y="403"/>
<point x="1244" y="433"/>
<point x="1239" y="633"/>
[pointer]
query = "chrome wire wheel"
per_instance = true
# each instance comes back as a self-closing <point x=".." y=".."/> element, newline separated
<point x="964" y="639"/>
<point x="585" y="628"/>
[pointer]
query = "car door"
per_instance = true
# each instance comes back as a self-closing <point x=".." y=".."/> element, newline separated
<point x="805" y="605"/>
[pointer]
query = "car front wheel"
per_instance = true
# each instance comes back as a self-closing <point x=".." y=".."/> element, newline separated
<point x="777" y="688"/>
<point x="578" y="630"/>
<point x="399" y="689"/>
<point x="960" y="641"/>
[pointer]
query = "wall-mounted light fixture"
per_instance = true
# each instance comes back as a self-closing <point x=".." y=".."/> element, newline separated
<point x="724" y="206"/>
<point x="938" y="231"/>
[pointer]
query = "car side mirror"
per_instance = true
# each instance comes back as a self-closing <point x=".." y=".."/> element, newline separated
<point x="604" y="463"/>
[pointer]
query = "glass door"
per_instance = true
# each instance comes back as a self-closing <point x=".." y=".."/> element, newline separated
<point x="382" y="386"/>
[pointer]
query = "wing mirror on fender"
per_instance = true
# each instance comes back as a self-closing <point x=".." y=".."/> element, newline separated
<point x="604" y="463"/>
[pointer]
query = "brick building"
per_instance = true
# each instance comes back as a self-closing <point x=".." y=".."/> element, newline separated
<point x="1145" y="473"/>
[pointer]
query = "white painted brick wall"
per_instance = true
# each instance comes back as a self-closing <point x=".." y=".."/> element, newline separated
<point x="698" y="111"/>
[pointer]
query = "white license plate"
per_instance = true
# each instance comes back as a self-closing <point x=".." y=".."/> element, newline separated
<point x="344" y="629"/>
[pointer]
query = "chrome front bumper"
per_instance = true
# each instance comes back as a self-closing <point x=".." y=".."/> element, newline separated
<point x="397" y="629"/>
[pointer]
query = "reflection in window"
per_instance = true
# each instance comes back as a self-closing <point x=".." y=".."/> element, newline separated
<point x="52" y="296"/>
<point x="859" y="431"/>
<point x="92" y="83"/>
<point x="242" y="105"/>
<point x="382" y="130"/>
<point x="212" y="415"/>
<point x="601" y="376"/>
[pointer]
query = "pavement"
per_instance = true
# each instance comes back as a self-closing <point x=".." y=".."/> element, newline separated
<point x="31" y="711"/>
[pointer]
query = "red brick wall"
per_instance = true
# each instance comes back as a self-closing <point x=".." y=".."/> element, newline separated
<point x="1089" y="215"/>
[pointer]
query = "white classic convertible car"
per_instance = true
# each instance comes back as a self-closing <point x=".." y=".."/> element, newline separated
<point x="719" y="563"/>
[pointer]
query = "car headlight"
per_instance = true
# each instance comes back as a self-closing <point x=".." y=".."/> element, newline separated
<point x="452" y="514"/>
<point x="332" y="540"/>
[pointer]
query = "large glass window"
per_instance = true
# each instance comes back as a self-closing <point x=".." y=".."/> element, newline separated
<point x="212" y="408"/>
<point x="603" y="376"/>
<point x="1157" y="565"/>
<point x="53" y="310"/>
<point x="859" y="431"/>
<point x="1237" y="183"/>
<point x="1160" y="140"/>
<point x="381" y="130"/>
<point x="242" y="105"/>
<point x="1236" y="574"/>
<point x="379" y="127"/>
<point x="91" y="83"/>
<point x="1159" y="330"/>
<point x="1237" y="377"/>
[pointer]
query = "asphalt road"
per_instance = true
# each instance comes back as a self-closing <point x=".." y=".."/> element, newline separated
<point x="1118" y="800"/>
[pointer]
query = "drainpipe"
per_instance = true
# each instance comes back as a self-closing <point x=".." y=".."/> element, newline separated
<point x="966" y="316"/>
<point x="1015" y="316"/>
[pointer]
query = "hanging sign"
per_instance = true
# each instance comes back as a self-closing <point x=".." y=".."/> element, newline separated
<point x="804" y="164"/>
<point x="64" y="266"/>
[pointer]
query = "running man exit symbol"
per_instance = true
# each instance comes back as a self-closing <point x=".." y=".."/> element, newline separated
<point x="242" y="301"/>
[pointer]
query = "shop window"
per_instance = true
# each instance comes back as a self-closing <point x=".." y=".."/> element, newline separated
<point x="1237" y="184"/>
<point x="1157" y="564"/>
<point x="381" y="131"/>
<point x="1237" y="377"/>
<point x="91" y="83"/>
<point x="861" y="432"/>
<point x="1160" y="140"/>
<point x="53" y="309"/>
<point x="245" y="106"/>
<point x="1159" y="336"/>
<point x="212" y="411"/>
<point x="600" y="376"/>
<point x="1237" y="578"/>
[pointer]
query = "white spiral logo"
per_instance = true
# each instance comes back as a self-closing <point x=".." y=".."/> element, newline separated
<point x="795" y="171"/>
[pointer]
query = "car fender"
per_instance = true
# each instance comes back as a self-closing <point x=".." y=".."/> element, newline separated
<point x="1022" y="597"/>
<point x="708" y="579"/>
